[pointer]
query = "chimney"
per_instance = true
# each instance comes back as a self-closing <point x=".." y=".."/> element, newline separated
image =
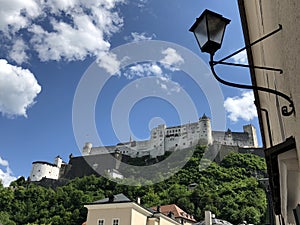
<point x="208" y="220"/>
<point x="171" y="215"/>
<point x="158" y="208"/>
<point x="118" y="159"/>
<point x="138" y="200"/>
<point x="111" y="198"/>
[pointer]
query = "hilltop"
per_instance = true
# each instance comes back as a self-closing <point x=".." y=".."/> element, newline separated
<point x="229" y="189"/>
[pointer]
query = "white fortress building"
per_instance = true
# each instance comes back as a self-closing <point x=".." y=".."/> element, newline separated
<point x="41" y="169"/>
<point x="164" y="139"/>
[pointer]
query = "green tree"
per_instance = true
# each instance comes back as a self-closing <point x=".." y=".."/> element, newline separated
<point x="5" y="219"/>
<point x="230" y="190"/>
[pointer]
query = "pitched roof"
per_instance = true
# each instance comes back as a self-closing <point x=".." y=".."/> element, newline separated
<point x="178" y="212"/>
<point x="113" y="199"/>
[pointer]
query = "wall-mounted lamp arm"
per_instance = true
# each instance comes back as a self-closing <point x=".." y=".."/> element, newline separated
<point x="251" y="44"/>
<point x="248" y="66"/>
<point x="221" y="61"/>
<point x="284" y="109"/>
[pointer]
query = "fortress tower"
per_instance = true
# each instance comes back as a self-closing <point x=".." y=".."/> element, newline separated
<point x="158" y="140"/>
<point x="87" y="148"/>
<point x="205" y="135"/>
<point x="250" y="129"/>
<point x="41" y="169"/>
<point x="58" y="161"/>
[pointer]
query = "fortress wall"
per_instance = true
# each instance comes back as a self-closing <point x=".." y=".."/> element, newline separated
<point x="102" y="150"/>
<point x="43" y="169"/>
<point x="174" y="138"/>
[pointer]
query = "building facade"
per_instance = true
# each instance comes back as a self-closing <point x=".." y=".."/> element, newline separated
<point x="118" y="210"/>
<point x="280" y="132"/>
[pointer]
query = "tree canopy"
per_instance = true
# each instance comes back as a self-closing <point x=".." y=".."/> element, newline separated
<point x="230" y="190"/>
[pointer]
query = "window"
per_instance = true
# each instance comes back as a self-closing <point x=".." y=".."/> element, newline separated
<point x="115" y="222"/>
<point x="100" y="222"/>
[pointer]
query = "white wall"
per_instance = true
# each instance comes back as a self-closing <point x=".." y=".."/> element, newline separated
<point x="164" y="139"/>
<point x="40" y="170"/>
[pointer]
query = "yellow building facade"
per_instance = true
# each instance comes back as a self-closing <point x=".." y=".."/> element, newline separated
<point x="119" y="210"/>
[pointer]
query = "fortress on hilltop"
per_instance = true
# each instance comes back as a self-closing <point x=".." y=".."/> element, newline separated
<point x="163" y="139"/>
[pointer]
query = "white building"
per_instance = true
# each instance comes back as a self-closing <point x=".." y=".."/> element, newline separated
<point x="164" y="139"/>
<point x="42" y="169"/>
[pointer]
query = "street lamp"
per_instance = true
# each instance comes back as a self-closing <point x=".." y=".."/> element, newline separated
<point x="209" y="30"/>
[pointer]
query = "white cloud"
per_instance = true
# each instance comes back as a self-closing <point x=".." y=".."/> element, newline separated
<point x="166" y="84"/>
<point x="3" y="162"/>
<point x="142" y="3"/>
<point x="18" y="52"/>
<point x="6" y="175"/>
<point x="18" y="89"/>
<point x="109" y="62"/>
<point x="136" y="37"/>
<point x="156" y="69"/>
<point x="60" y="29"/>
<point x="162" y="81"/>
<point x="172" y="59"/>
<point x="143" y="70"/>
<point x="241" y="58"/>
<point x="16" y="14"/>
<point x="241" y="107"/>
<point x="67" y="42"/>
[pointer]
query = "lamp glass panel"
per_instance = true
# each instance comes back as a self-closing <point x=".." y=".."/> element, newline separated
<point x="216" y="27"/>
<point x="201" y="33"/>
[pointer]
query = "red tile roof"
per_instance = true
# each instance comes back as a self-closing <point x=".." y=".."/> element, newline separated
<point x="178" y="212"/>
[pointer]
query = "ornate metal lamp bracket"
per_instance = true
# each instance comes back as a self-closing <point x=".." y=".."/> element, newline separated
<point x="285" y="110"/>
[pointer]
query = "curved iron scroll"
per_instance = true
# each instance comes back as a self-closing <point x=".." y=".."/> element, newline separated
<point x="285" y="110"/>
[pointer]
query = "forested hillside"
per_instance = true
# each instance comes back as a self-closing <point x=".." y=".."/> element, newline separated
<point x="230" y="190"/>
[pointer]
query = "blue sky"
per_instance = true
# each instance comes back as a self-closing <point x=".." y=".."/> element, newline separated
<point x="48" y="48"/>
